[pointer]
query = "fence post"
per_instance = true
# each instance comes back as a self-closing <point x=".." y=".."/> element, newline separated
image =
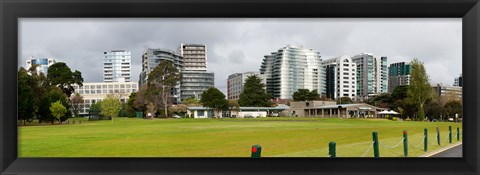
<point x="458" y="134"/>
<point x="438" y="136"/>
<point x="331" y="149"/>
<point x="256" y="151"/>
<point x="376" y="152"/>
<point x="425" y="140"/>
<point x="405" y="144"/>
<point x="450" y="134"/>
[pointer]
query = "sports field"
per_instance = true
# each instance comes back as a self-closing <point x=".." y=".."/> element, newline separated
<point x="279" y="137"/>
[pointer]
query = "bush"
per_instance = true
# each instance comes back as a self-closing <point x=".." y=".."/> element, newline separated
<point x="389" y="117"/>
<point x="395" y="118"/>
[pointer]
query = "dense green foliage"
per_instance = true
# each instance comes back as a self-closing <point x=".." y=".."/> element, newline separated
<point x="95" y="109"/>
<point x="214" y="99"/>
<point x="55" y="94"/>
<point x="254" y="93"/>
<point x="58" y="110"/>
<point x="191" y="101"/>
<point x="228" y="137"/>
<point x="60" y="75"/>
<point x="26" y="104"/>
<point x="305" y="94"/>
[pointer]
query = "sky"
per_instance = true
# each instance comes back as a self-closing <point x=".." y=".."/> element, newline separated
<point x="236" y="45"/>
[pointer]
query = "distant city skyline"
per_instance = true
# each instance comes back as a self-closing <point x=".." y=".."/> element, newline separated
<point x="239" y="45"/>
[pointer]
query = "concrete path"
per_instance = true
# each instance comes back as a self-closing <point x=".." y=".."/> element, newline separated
<point x="454" y="150"/>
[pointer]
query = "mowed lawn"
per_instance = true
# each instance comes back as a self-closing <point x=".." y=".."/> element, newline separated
<point x="279" y="137"/>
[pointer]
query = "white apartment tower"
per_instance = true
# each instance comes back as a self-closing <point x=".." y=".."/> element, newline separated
<point x="116" y="66"/>
<point x="371" y="75"/>
<point x="43" y="64"/>
<point x="340" y="77"/>
<point x="292" y="68"/>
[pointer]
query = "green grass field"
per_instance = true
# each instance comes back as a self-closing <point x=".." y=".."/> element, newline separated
<point x="279" y="137"/>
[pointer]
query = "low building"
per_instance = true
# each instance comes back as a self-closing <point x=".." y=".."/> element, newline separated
<point x="445" y="91"/>
<point x="331" y="109"/>
<point x="243" y="112"/>
<point x="93" y="92"/>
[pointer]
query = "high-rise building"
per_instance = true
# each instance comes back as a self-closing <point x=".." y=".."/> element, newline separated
<point x="194" y="56"/>
<point x="195" y="78"/>
<point x="116" y="66"/>
<point x="236" y="81"/>
<point x="152" y="57"/>
<point x="458" y="81"/>
<point x="43" y="64"/>
<point x="292" y="68"/>
<point x="340" y="77"/>
<point x="371" y="75"/>
<point x="398" y="75"/>
<point x="193" y="83"/>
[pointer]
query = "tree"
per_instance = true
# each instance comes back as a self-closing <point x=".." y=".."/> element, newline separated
<point x="130" y="107"/>
<point x="58" y="110"/>
<point x="254" y="93"/>
<point x="305" y="94"/>
<point x="163" y="78"/>
<point x="344" y="100"/>
<point x="110" y="107"/>
<point x="419" y="91"/>
<point x="191" y="101"/>
<point x="76" y="100"/>
<point x="214" y="99"/>
<point x="26" y="104"/>
<point x="452" y="108"/>
<point x="233" y="105"/>
<point x="60" y="75"/>
<point x="95" y="109"/>
<point x="180" y="109"/>
<point x="53" y="95"/>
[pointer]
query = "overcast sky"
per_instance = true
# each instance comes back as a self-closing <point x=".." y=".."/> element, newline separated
<point x="238" y="45"/>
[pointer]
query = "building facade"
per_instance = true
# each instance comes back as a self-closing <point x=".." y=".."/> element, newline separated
<point x="193" y="83"/>
<point x="446" y="91"/>
<point x="458" y="81"/>
<point x="93" y="92"/>
<point x="151" y="58"/>
<point x="43" y="64"/>
<point x="398" y="75"/>
<point x="292" y="68"/>
<point x="236" y="81"/>
<point x="194" y="56"/>
<point x="117" y="66"/>
<point x="340" y="78"/>
<point x="371" y="75"/>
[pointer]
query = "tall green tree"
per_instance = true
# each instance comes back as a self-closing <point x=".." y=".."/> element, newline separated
<point x="60" y="75"/>
<point x="110" y="107"/>
<point x="58" y="110"/>
<point x="26" y="104"/>
<point x="95" y="109"/>
<point x="419" y="90"/>
<point x="452" y="108"/>
<point x="254" y="93"/>
<point x="214" y="99"/>
<point x="161" y="80"/>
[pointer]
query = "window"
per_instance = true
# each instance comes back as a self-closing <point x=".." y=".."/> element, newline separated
<point x="345" y="73"/>
<point x="200" y="113"/>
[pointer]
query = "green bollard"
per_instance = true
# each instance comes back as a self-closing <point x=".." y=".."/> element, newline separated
<point x="331" y="149"/>
<point x="405" y="144"/>
<point x="450" y="134"/>
<point x="425" y="140"/>
<point x="376" y="152"/>
<point x="458" y="134"/>
<point x="438" y="136"/>
<point x="256" y="151"/>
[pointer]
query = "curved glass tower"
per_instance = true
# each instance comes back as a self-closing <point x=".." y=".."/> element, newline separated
<point x="292" y="68"/>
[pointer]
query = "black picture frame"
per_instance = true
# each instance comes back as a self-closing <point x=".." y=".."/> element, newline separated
<point x="11" y="11"/>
